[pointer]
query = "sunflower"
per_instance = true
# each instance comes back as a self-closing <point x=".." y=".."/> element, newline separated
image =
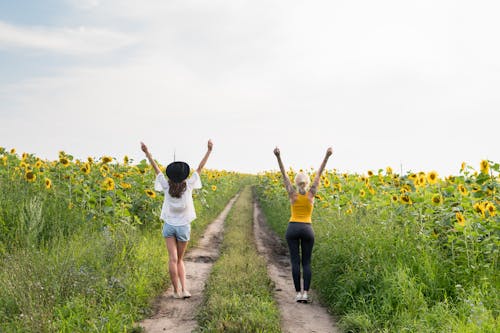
<point x="106" y="159"/>
<point x="437" y="199"/>
<point x="485" y="166"/>
<point x="371" y="189"/>
<point x="370" y="173"/>
<point x="13" y="151"/>
<point x="338" y="186"/>
<point x="388" y="171"/>
<point x="85" y="168"/>
<point x="480" y="209"/>
<point x="214" y="188"/>
<point x="104" y="169"/>
<point x="490" y="207"/>
<point x="38" y="164"/>
<point x="362" y="193"/>
<point x="48" y="183"/>
<point x="326" y="182"/>
<point x="150" y="193"/>
<point x="405" y="188"/>
<point x="462" y="189"/>
<point x="30" y="176"/>
<point x="90" y="160"/>
<point x="394" y="198"/>
<point x="460" y="218"/>
<point x="463" y="166"/>
<point x="405" y="198"/>
<point x="432" y="177"/>
<point x="125" y="159"/>
<point x="108" y="184"/>
<point x="412" y="176"/>
<point x="421" y="180"/>
<point x="3" y="159"/>
<point x="24" y="156"/>
<point x="64" y="161"/>
<point x="348" y="211"/>
<point x="125" y="186"/>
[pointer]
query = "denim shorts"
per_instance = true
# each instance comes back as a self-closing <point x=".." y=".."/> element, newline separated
<point x="180" y="232"/>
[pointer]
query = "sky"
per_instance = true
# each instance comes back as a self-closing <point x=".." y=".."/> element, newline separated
<point x="409" y="84"/>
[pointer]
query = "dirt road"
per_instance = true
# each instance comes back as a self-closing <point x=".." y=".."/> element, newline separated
<point x="178" y="315"/>
<point x="295" y="317"/>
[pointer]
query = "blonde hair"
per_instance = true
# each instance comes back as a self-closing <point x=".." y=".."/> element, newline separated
<point x="302" y="182"/>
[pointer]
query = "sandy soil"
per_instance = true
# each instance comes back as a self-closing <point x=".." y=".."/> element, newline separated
<point x="295" y="317"/>
<point x="178" y="315"/>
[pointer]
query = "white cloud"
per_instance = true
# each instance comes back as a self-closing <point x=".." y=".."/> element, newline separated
<point x="385" y="83"/>
<point x="75" y="41"/>
<point x="84" y="4"/>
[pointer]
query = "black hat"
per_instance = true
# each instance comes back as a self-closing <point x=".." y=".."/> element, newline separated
<point x="177" y="171"/>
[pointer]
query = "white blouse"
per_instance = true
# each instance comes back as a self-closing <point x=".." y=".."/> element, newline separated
<point x="178" y="211"/>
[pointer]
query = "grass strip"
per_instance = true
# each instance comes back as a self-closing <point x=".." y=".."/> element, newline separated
<point x="238" y="296"/>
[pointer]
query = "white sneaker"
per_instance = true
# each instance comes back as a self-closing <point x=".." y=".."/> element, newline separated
<point x="305" y="298"/>
<point x="177" y="295"/>
<point x="186" y="294"/>
<point x="298" y="297"/>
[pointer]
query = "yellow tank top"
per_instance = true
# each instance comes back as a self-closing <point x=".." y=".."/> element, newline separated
<point x="301" y="209"/>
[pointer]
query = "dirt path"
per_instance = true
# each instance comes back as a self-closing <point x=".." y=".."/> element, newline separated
<point x="295" y="317"/>
<point x="178" y="315"/>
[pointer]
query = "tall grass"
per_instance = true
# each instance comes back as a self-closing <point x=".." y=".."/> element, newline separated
<point x="90" y="261"/>
<point x="382" y="274"/>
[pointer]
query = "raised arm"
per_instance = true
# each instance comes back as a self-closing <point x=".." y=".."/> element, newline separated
<point x="315" y="184"/>
<point x="205" y="158"/>
<point x="288" y="186"/>
<point x="150" y="158"/>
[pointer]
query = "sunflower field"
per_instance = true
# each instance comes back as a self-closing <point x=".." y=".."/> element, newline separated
<point x="80" y="244"/>
<point x="403" y="253"/>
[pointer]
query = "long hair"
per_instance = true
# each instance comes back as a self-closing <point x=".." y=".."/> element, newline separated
<point x="176" y="189"/>
<point x="302" y="181"/>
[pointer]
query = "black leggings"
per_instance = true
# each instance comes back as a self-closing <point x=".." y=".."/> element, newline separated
<point x="300" y="235"/>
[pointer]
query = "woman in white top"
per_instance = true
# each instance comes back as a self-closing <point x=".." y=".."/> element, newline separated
<point x="177" y="213"/>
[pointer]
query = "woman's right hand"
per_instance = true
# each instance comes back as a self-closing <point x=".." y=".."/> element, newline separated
<point x="329" y="152"/>
<point x="144" y="148"/>
<point x="277" y="152"/>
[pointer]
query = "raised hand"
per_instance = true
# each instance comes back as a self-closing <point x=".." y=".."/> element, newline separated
<point x="277" y="152"/>
<point x="329" y="151"/>
<point x="144" y="148"/>
<point x="210" y="145"/>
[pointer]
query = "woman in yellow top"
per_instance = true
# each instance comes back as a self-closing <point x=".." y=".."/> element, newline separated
<point x="299" y="234"/>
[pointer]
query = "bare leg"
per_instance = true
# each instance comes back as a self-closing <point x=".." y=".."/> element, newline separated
<point x="172" y="262"/>
<point x="181" y="271"/>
